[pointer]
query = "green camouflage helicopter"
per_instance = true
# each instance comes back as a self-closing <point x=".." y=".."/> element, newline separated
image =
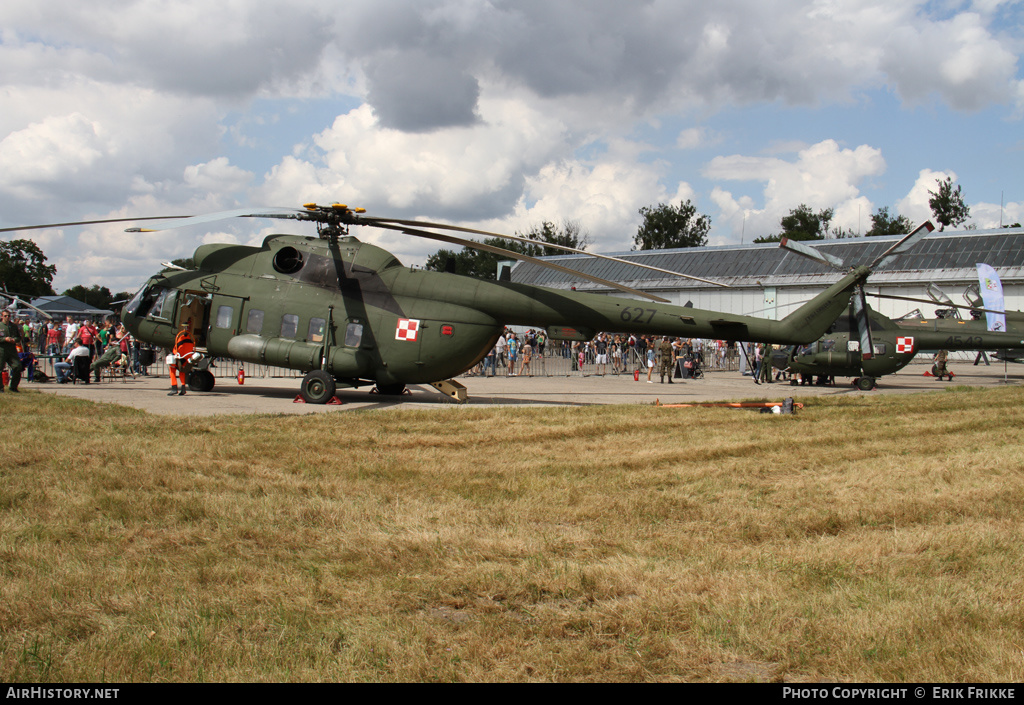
<point x="866" y="345"/>
<point x="893" y="343"/>
<point x="349" y="314"/>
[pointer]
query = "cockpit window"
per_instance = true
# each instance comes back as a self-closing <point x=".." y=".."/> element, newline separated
<point x="141" y="295"/>
<point x="153" y="302"/>
<point x="163" y="307"/>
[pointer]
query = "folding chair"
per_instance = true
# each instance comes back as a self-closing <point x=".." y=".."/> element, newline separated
<point x="80" y="370"/>
<point x="121" y="368"/>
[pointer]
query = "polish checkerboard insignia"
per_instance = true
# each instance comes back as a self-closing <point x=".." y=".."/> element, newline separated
<point x="408" y="329"/>
<point x="904" y="345"/>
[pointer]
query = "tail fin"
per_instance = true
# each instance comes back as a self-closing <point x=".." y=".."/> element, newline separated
<point x="812" y="320"/>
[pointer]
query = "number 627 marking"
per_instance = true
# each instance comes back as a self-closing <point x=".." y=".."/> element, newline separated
<point x="639" y="315"/>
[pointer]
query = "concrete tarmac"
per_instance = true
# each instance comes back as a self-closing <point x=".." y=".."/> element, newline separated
<point x="276" y="395"/>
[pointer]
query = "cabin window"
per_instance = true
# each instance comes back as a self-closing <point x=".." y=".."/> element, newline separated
<point x="827" y="345"/>
<point x="224" y="316"/>
<point x="254" y="323"/>
<point x="354" y="335"/>
<point x="289" y="325"/>
<point x="879" y="348"/>
<point x="316" y="330"/>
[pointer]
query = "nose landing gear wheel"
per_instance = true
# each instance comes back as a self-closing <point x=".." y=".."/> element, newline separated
<point x="317" y="387"/>
<point x="866" y="383"/>
<point x="201" y="381"/>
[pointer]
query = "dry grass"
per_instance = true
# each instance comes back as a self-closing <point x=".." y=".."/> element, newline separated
<point x="870" y="540"/>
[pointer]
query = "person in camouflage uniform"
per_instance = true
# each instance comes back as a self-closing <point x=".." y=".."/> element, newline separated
<point x="667" y="355"/>
<point x="766" y="365"/>
<point x="939" y="369"/>
<point x="10" y="338"/>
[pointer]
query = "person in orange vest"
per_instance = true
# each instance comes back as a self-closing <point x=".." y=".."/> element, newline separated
<point x="180" y="359"/>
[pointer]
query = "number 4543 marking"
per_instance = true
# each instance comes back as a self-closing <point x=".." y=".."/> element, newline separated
<point x="958" y="340"/>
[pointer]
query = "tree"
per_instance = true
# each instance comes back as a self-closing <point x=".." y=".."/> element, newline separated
<point x="948" y="205"/>
<point x="96" y="296"/>
<point x="23" y="269"/>
<point x="484" y="265"/>
<point x="571" y="234"/>
<point x="183" y="262"/>
<point x="802" y="224"/>
<point x="884" y="224"/>
<point x="666" y="227"/>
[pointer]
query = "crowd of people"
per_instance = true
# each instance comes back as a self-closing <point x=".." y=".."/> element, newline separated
<point x="65" y="342"/>
<point x="672" y="358"/>
<point x="518" y="354"/>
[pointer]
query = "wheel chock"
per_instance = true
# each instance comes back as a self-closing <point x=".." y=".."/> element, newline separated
<point x="333" y="401"/>
<point x="453" y="389"/>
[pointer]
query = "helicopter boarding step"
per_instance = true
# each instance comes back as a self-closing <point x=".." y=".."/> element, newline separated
<point x="453" y="389"/>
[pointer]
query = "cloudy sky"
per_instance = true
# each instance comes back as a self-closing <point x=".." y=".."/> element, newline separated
<point x="497" y="114"/>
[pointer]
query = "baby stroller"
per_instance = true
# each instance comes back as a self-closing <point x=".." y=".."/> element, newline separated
<point x="695" y="367"/>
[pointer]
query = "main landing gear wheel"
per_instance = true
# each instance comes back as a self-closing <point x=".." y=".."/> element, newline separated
<point x="866" y="383"/>
<point x="317" y="387"/>
<point x="201" y="381"/>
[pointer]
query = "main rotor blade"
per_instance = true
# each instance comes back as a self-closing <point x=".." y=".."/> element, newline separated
<point x="187" y="220"/>
<point x="92" y="222"/>
<point x="907" y="242"/>
<point x="456" y="228"/>
<point x="933" y="303"/>
<point x="16" y="300"/>
<point x="515" y="255"/>
<point x="813" y="253"/>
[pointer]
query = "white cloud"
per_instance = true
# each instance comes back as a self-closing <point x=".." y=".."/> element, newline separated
<point x="58" y="147"/>
<point x="990" y="215"/>
<point x="465" y="172"/>
<point x="217" y="175"/>
<point x="823" y="175"/>
<point x="604" y="198"/>
<point x="697" y="137"/>
<point x="958" y="59"/>
<point x="915" y="204"/>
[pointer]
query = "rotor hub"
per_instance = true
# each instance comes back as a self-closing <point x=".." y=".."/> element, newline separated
<point x="332" y="221"/>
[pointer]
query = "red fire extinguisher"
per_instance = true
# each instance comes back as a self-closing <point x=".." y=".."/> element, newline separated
<point x="241" y="376"/>
<point x="636" y="375"/>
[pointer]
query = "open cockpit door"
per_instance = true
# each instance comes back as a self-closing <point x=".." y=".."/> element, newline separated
<point x="194" y="310"/>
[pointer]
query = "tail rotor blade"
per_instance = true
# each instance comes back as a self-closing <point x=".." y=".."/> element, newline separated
<point x="860" y="314"/>
<point x="905" y="244"/>
<point x="813" y="253"/>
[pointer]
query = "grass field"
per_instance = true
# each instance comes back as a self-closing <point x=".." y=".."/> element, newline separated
<point x="863" y="539"/>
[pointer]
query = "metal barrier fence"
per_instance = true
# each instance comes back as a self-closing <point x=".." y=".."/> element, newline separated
<point x="555" y="362"/>
<point x="562" y="362"/>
